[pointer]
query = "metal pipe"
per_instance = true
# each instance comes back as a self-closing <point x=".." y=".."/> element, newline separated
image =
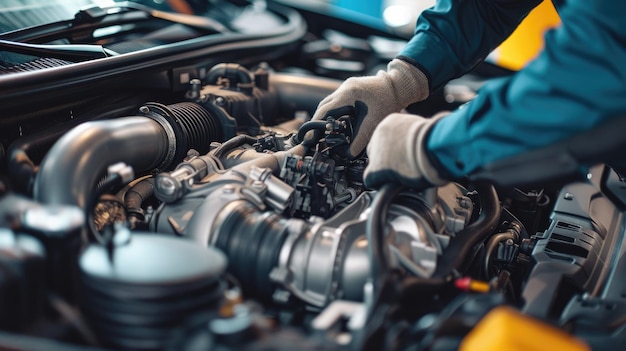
<point x="71" y="169"/>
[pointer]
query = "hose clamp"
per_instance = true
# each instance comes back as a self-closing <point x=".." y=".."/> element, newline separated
<point x="159" y="114"/>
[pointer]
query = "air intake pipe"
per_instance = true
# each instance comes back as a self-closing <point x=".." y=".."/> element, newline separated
<point x="160" y="138"/>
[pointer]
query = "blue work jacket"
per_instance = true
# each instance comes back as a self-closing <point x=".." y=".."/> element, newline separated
<point x="576" y="83"/>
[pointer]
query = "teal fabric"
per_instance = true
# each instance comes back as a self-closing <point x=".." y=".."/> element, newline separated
<point x="576" y="83"/>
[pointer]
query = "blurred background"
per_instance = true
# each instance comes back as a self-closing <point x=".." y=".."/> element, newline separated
<point x="400" y="16"/>
<point x="395" y="16"/>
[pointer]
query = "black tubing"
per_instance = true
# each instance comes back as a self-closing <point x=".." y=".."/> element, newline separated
<point x="375" y="233"/>
<point x="137" y="194"/>
<point x="22" y="169"/>
<point x="232" y="143"/>
<point x="71" y="169"/>
<point x="26" y="151"/>
<point x="230" y="71"/>
<point x="308" y="126"/>
<point x="512" y="233"/>
<point x="460" y="246"/>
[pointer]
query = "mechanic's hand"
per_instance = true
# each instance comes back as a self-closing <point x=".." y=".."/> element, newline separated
<point x="372" y="98"/>
<point x="397" y="153"/>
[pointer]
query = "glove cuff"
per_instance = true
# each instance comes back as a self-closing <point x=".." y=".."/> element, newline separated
<point x="409" y="83"/>
<point x="426" y="167"/>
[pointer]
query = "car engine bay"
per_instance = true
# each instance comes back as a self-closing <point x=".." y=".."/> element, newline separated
<point x="175" y="195"/>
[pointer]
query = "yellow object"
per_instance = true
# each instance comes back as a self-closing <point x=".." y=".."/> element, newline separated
<point x="469" y="284"/>
<point x="478" y="286"/>
<point x="507" y="329"/>
<point x="527" y="40"/>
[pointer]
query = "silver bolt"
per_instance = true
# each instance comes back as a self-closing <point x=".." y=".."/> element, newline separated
<point x="220" y="101"/>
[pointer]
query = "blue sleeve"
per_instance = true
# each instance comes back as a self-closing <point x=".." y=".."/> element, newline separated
<point x="455" y="35"/>
<point x="576" y="83"/>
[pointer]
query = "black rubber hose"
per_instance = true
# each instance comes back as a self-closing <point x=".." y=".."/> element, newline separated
<point x="454" y="255"/>
<point x="460" y="246"/>
<point x="22" y="170"/>
<point x="512" y="233"/>
<point x="375" y="233"/>
<point x="137" y="194"/>
<point x="230" y="71"/>
<point x="308" y="126"/>
<point x="25" y="152"/>
<point x="232" y="143"/>
<point x="72" y="168"/>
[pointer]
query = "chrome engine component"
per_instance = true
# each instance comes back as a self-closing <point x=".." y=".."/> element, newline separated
<point x="315" y="260"/>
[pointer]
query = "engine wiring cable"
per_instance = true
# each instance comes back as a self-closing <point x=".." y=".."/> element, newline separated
<point x="108" y="183"/>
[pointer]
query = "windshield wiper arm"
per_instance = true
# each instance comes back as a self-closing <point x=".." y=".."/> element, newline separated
<point x="193" y="21"/>
<point x="69" y="52"/>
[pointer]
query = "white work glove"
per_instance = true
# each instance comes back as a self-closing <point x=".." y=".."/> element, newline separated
<point x="397" y="153"/>
<point x="372" y="98"/>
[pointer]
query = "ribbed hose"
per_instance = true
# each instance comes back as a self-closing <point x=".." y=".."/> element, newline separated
<point x="252" y="241"/>
<point x="199" y="128"/>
